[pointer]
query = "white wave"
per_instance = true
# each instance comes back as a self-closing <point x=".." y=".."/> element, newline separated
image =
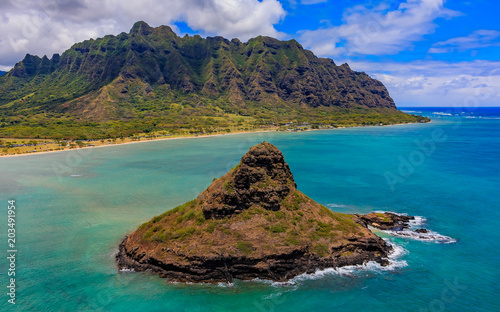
<point x="397" y="251"/>
<point x="76" y="175"/>
<point x="352" y="270"/>
<point x="127" y="270"/>
<point x="410" y="111"/>
<point x="428" y="236"/>
<point x="272" y="296"/>
<point x="393" y="212"/>
<point x="412" y="234"/>
<point x="418" y="221"/>
<point x="442" y="114"/>
<point x="225" y="284"/>
<point x="336" y="205"/>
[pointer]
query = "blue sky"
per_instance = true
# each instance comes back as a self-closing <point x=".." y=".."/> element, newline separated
<point x="427" y="52"/>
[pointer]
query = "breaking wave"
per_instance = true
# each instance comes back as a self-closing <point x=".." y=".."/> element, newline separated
<point x="336" y="205"/>
<point x="442" y="114"/>
<point x="417" y="233"/>
<point x="423" y="236"/>
<point x="351" y="270"/>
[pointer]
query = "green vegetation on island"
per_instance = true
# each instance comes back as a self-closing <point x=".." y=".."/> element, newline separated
<point x="250" y="223"/>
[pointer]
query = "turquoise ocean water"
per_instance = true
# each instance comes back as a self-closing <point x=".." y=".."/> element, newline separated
<point x="73" y="208"/>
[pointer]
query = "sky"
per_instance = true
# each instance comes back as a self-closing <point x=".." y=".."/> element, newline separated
<point x="426" y="52"/>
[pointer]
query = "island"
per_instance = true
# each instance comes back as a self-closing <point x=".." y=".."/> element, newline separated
<point x="254" y="223"/>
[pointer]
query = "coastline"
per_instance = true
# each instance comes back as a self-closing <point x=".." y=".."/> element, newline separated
<point x="134" y="142"/>
<point x="190" y="137"/>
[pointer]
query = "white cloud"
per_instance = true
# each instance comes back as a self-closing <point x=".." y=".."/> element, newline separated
<point x="52" y="26"/>
<point x="378" y="30"/>
<point x="437" y="83"/>
<point x="5" y="68"/>
<point x="307" y="2"/>
<point x="478" y="39"/>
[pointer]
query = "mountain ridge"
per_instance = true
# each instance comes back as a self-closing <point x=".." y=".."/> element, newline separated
<point x="149" y="72"/>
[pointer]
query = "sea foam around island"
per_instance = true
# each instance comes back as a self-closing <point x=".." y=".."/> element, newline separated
<point x="395" y="262"/>
<point x="412" y="233"/>
<point x="351" y="270"/>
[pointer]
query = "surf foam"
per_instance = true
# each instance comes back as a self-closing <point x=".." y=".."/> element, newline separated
<point x="351" y="270"/>
<point x="412" y="233"/>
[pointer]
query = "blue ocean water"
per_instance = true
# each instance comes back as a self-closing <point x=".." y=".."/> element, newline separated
<point x="74" y="207"/>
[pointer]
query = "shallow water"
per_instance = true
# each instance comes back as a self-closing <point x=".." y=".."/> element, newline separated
<point x="73" y="208"/>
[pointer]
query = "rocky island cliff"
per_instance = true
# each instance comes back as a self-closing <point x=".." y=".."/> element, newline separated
<point x="251" y="223"/>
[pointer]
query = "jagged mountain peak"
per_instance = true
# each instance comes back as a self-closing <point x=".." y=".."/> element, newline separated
<point x="263" y="69"/>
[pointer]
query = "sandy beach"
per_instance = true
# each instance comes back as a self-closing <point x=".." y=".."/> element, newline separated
<point x="182" y="137"/>
<point x="141" y="141"/>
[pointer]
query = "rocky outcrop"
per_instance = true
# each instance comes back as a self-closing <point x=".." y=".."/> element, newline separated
<point x="400" y="225"/>
<point x="262" y="178"/>
<point x="250" y="223"/>
<point x="385" y="220"/>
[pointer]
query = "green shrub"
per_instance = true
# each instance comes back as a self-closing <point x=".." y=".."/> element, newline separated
<point x="321" y="249"/>
<point x="279" y="215"/>
<point x="323" y="229"/>
<point x="293" y="241"/>
<point x="210" y="227"/>
<point x="229" y="187"/>
<point x="188" y="216"/>
<point x="151" y="231"/>
<point x="278" y="228"/>
<point x="156" y="219"/>
<point x="244" y="247"/>
<point x="183" y="233"/>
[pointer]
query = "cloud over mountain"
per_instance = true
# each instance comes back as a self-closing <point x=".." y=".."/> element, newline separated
<point x="52" y="26"/>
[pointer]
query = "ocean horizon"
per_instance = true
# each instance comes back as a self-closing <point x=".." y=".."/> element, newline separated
<point x="73" y="208"/>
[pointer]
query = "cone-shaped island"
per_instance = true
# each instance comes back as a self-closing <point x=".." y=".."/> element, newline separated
<point x="250" y="223"/>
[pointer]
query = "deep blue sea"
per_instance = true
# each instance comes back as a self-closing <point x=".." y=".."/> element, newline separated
<point x="74" y="207"/>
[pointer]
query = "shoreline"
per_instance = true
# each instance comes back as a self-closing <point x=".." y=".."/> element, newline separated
<point x="134" y="142"/>
<point x="190" y="137"/>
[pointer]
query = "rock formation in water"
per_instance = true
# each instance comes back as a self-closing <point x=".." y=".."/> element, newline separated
<point x="250" y="223"/>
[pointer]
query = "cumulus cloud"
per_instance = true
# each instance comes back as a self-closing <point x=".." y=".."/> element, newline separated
<point x="51" y="26"/>
<point x="438" y="83"/>
<point x="307" y="2"/>
<point x="482" y="38"/>
<point x="379" y="30"/>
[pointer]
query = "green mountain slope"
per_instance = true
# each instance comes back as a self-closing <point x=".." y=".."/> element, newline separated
<point x="151" y="79"/>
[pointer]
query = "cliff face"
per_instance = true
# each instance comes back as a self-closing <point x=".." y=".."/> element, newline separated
<point x="148" y="63"/>
<point x="263" y="178"/>
<point x="250" y="223"/>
